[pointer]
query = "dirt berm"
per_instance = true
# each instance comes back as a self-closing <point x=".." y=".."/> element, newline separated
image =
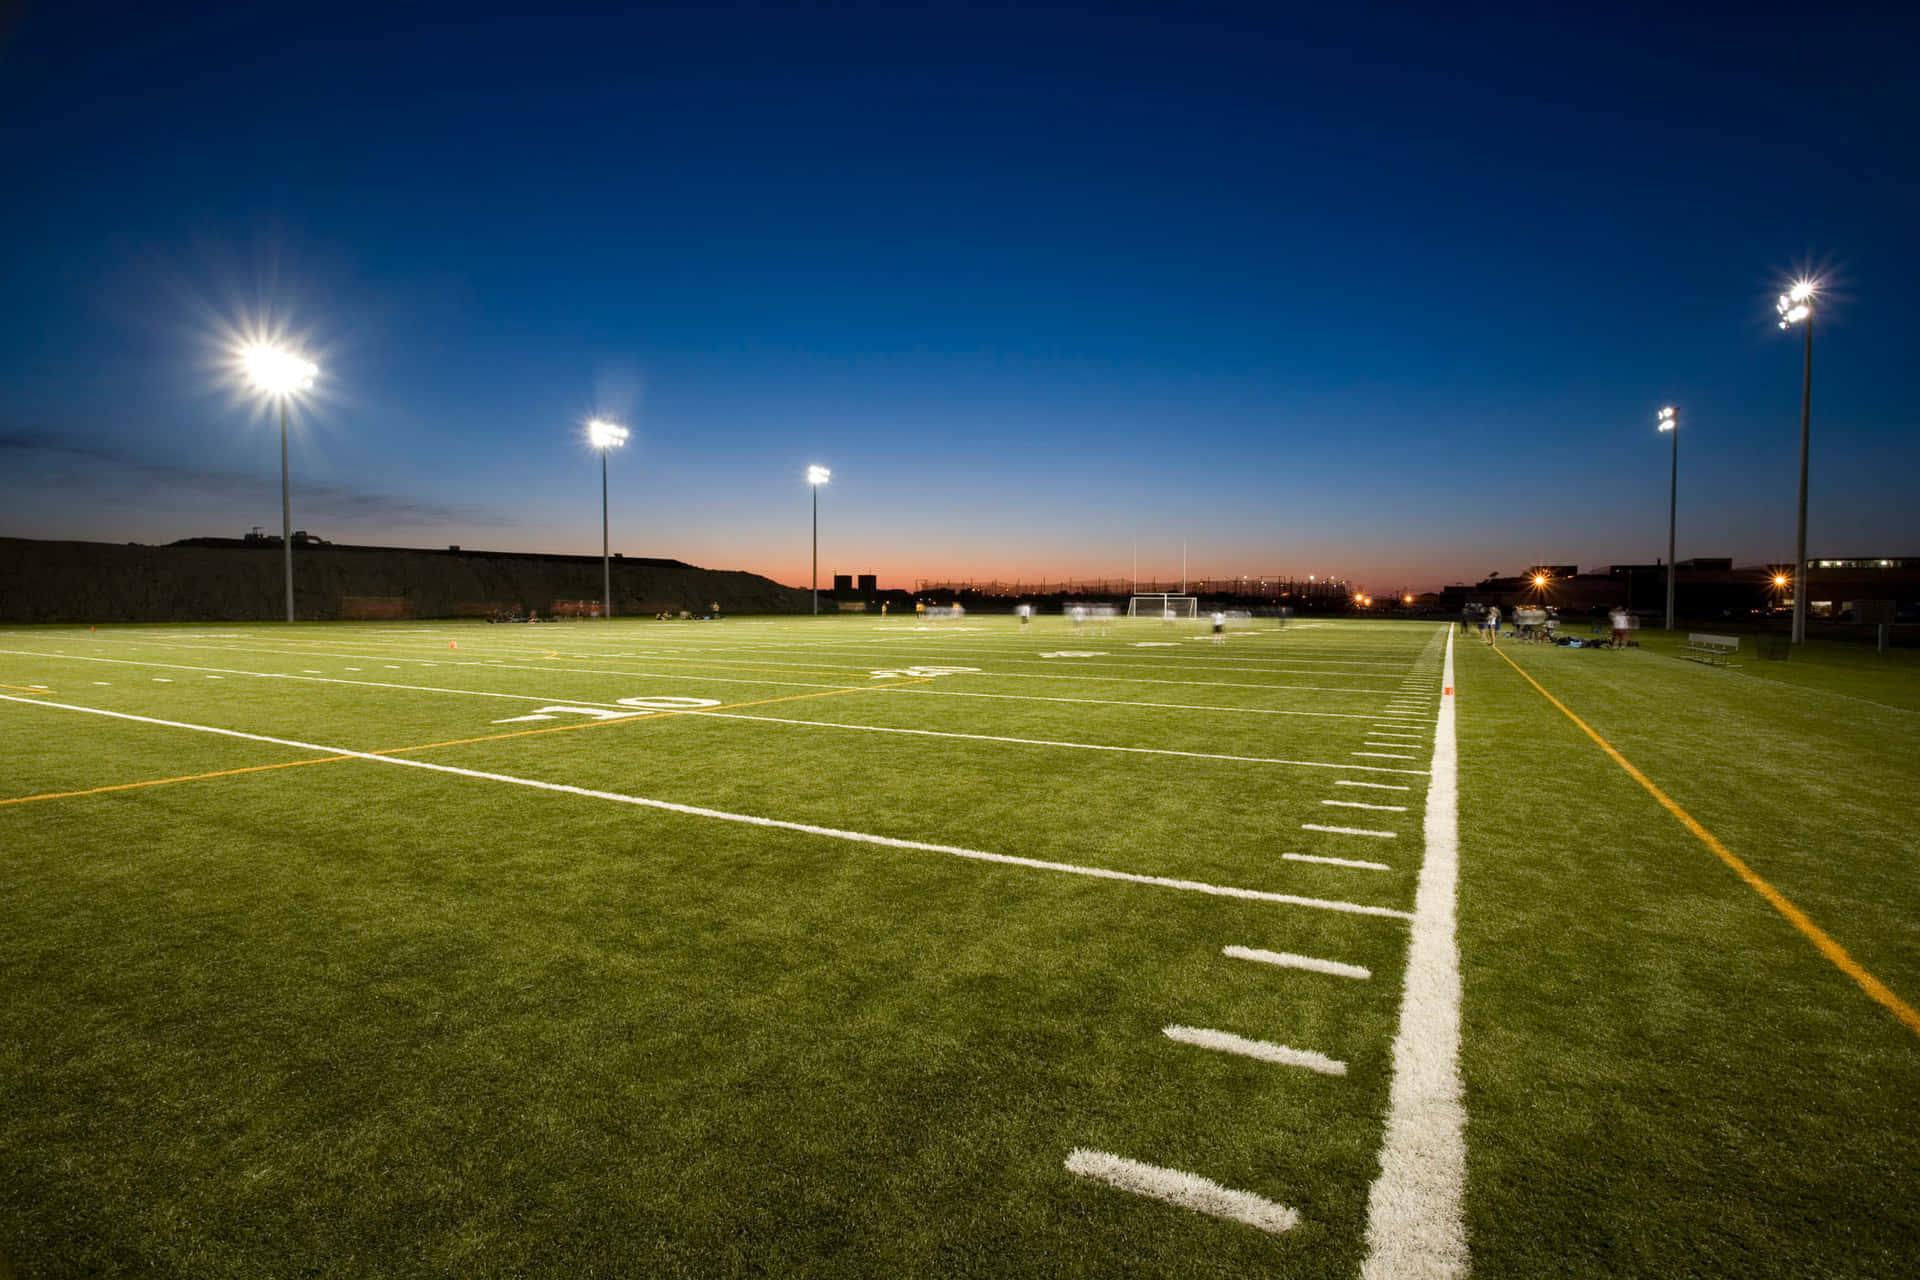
<point x="217" y="580"/>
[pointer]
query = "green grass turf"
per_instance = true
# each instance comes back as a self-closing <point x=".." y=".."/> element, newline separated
<point x="347" y="1018"/>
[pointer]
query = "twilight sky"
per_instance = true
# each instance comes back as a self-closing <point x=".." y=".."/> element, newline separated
<point x="1392" y="292"/>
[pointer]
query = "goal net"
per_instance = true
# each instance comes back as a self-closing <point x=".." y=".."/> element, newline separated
<point x="1163" y="606"/>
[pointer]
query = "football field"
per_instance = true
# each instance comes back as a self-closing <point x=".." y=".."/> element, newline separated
<point x="879" y="947"/>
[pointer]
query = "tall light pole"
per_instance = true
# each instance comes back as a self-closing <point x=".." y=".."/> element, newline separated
<point x="279" y="373"/>
<point x="817" y="476"/>
<point x="1670" y="421"/>
<point x="1796" y="307"/>
<point x="604" y="435"/>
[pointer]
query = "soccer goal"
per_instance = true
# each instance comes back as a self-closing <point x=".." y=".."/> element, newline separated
<point x="1163" y="606"/>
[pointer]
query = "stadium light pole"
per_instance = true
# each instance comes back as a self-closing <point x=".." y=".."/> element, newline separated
<point x="1796" y="307"/>
<point x="1670" y="421"/>
<point x="604" y="435"/>
<point x="817" y="476"/>
<point x="279" y="373"/>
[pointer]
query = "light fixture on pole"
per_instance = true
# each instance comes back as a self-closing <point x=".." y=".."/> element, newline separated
<point x="604" y="435"/>
<point x="1796" y="307"/>
<point x="274" y="371"/>
<point x="1670" y="421"/>
<point x="817" y="476"/>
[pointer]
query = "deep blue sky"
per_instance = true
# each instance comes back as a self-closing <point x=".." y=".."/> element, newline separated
<point x="1392" y="292"/>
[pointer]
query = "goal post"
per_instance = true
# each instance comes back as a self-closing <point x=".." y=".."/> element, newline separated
<point x="1163" y="606"/>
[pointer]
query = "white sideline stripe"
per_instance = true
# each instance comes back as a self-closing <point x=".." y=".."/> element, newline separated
<point x="1377" y="786"/>
<point x="1416" y="1226"/>
<point x="1033" y="742"/>
<point x="806" y="828"/>
<point x="1361" y="804"/>
<point x="1379" y="755"/>
<point x="1264" y="1050"/>
<point x="1392" y="733"/>
<point x="1187" y="1190"/>
<point x="1287" y="960"/>
<point x="1337" y="862"/>
<point x="1371" y="743"/>
<point x="1350" y="831"/>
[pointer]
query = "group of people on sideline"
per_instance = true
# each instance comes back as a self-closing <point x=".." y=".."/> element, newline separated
<point x="1540" y="623"/>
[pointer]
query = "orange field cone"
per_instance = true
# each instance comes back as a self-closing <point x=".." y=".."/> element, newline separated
<point x="453" y="644"/>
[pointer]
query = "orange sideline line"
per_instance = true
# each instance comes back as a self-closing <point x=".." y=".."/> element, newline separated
<point x="1819" y="937"/>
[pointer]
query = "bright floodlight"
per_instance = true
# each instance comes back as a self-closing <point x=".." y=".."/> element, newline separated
<point x="818" y="475"/>
<point x="1539" y="579"/>
<point x="1779" y="579"/>
<point x="1668" y="419"/>
<point x="276" y="371"/>
<point x="606" y="435"/>
<point x="1796" y="304"/>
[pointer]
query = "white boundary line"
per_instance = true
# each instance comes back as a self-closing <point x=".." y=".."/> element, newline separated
<point x="1416" y="1226"/>
<point x="805" y="828"/>
<point x="1188" y="1190"/>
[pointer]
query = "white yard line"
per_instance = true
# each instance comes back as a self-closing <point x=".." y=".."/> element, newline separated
<point x="1337" y="862"/>
<point x="1377" y="786"/>
<point x="624" y="709"/>
<point x="1361" y="804"/>
<point x="805" y="828"/>
<point x="1037" y="742"/>
<point x="1350" y="831"/>
<point x="1287" y="960"/>
<point x="922" y="690"/>
<point x="1264" y="1050"/>
<point x="1416" y="1227"/>
<point x="489" y="664"/>
<point x="1380" y="755"/>
<point x="1188" y="1190"/>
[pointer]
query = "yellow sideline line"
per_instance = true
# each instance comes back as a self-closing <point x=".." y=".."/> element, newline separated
<point x="22" y="688"/>
<point x="1819" y="937"/>
<point x="429" y="746"/>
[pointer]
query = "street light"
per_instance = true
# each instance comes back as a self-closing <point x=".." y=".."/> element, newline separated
<point x="276" y="372"/>
<point x="604" y="435"/>
<point x="1670" y="421"/>
<point x="1796" y="307"/>
<point x="816" y="476"/>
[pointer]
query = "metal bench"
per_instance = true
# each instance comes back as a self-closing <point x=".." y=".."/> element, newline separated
<point x="1715" y="651"/>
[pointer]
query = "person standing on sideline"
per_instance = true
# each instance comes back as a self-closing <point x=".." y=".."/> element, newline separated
<point x="1493" y="624"/>
<point x="1621" y="620"/>
<point x="1219" y="627"/>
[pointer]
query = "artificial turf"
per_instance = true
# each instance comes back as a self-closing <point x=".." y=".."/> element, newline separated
<point x="344" y="1018"/>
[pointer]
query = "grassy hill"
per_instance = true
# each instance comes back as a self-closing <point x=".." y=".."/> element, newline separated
<point x="108" y="582"/>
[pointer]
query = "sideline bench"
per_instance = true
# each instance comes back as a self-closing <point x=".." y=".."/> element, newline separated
<point x="1715" y="651"/>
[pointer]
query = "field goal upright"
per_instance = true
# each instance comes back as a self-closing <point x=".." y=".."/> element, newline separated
<point x="1163" y="605"/>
